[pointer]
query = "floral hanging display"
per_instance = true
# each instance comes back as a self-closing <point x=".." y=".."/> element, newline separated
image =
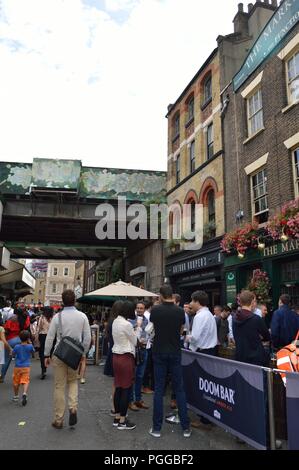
<point x="240" y="239"/>
<point x="260" y="285"/>
<point x="285" y="224"/>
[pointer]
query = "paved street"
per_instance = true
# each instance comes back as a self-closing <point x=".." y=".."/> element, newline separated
<point x="94" y="430"/>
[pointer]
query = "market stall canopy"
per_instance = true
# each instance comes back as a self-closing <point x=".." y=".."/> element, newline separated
<point x="117" y="289"/>
<point x="17" y="277"/>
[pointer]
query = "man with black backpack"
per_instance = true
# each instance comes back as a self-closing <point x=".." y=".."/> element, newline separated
<point x="72" y="324"/>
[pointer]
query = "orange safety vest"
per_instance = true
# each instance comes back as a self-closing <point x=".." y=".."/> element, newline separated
<point x="288" y="358"/>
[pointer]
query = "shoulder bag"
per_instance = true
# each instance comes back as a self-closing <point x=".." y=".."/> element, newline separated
<point x="69" y="350"/>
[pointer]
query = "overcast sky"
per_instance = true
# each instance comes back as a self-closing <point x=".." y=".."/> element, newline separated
<point x="91" y="79"/>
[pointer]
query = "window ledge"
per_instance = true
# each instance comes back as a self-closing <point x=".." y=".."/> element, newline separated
<point x="253" y="136"/>
<point x="290" y="106"/>
<point x="175" y="138"/>
<point x="204" y="105"/>
<point x="189" y="122"/>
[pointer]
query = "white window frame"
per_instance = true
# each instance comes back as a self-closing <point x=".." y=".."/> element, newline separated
<point x="68" y="271"/>
<point x="255" y="199"/>
<point x="296" y="77"/>
<point x="256" y="112"/>
<point x="64" y="288"/>
<point x="53" y="271"/>
<point x="54" y="291"/>
<point x="296" y="170"/>
<point x="192" y="154"/>
<point x="211" y="143"/>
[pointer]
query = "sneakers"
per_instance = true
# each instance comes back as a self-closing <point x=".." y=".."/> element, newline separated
<point x="112" y="413"/>
<point x="155" y="433"/>
<point x="43" y="376"/>
<point x="15" y="398"/>
<point x="24" y="399"/>
<point x="73" y="418"/>
<point x="82" y="381"/>
<point x="187" y="433"/>
<point x="115" y="422"/>
<point x="126" y="425"/>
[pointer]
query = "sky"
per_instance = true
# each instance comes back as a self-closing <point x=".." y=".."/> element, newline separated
<point x="92" y="79"/>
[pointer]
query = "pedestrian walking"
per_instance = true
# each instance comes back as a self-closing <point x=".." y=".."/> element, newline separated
<point x="21" y="375"/>
<point x="3" y="345"/>
<point x="75" y="325"/>
<point x="42" y="331"/>
<point x="168" y="321"/>
<point x="13" y="326"/>
<point x="285" y="323"/>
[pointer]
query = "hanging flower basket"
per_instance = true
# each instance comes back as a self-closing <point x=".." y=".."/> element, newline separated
<point x="260" y="285"/>
<point x="241" y="239"/>
<point x="285" y="224"/>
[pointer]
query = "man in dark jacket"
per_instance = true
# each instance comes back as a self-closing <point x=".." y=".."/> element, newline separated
<point x="249" y="332"/>
<point x="285" y="323"/>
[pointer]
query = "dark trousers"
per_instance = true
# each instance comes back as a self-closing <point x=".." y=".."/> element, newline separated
<point x="208" y="352"/>
<point x="121" y="401"/>
<point x="164" y="363"/>
<point x="41" y="352"/>
<point x="148" y="378"/>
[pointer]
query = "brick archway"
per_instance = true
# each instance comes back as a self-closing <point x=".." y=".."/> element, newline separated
<point x="209" y="183"/>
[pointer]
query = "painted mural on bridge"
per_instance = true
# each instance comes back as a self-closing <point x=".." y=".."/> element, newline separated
<point x="95" y="183"/>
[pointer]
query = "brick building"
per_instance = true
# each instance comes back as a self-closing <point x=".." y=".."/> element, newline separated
<point x="196" y="157"/>
<point x="261" y="142"/>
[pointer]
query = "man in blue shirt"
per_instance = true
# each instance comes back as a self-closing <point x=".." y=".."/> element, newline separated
<point x="285" y="323"/>
<point x="21" y="374"/>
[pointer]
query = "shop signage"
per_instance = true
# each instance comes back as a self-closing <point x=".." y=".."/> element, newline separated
<point x="286" y="17"/>
<point x="281" y="248"/>
<point x="194" y="264"/>
<point x="221" y="389"/>
<point x="231" y="287"/>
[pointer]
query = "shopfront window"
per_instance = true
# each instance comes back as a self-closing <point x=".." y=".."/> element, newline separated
<point x="290" y="281"/>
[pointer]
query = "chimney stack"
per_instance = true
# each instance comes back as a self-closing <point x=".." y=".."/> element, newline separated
<point x="241" y="21"/>
<point x="250" y="6"/>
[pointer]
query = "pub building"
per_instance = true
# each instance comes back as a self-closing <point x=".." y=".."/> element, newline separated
<point x="195" y="173"/>
<point x="261" y="153"/>
<point x="201" y="270"/>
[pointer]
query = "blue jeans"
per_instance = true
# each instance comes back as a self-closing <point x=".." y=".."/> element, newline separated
<point x="136" y="388"/>
<point x="163" y="364"/>
<point x="12" y="343"/>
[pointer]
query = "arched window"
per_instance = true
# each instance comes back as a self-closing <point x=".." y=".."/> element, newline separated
<point x="190" y="109"/>
<point x="192" y="216"/>
<point x="211" y="213"/>
<point x="207" y="89"/>
<point x="176" y="125"/>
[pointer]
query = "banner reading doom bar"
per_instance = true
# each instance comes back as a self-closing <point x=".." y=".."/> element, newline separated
<point x="293" y="410"/>
<point x="231" y="394"/>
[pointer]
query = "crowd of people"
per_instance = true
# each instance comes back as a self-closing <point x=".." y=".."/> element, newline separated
<point x="145" y="341"/>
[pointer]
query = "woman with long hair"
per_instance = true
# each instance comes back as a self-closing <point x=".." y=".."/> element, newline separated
<point x="124" y="350"/>
<point x="108" y="369"/>
<point x="20" y="321"/>
<point x="42" y="331"/>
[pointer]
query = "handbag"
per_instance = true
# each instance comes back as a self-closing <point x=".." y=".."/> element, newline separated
<point x="139" y="357"/>
<point x="69" y="350"/>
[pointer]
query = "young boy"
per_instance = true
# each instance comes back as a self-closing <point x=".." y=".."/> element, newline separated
<point x="21" y="374"/>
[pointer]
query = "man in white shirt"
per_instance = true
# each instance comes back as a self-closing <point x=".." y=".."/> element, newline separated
<point x="7" y="312"/>
<point x="204" y="330"/>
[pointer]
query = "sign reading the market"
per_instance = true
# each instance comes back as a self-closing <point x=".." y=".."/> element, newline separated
<point x="281" y="248"/>
<point x="286" y="17"/>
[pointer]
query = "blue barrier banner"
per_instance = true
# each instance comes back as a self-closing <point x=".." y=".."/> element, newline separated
<point x="292" y="386"/>
<point x="230" y="394"/>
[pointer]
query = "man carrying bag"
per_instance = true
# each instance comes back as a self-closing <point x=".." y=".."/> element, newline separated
<point x="72" y="331"/>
